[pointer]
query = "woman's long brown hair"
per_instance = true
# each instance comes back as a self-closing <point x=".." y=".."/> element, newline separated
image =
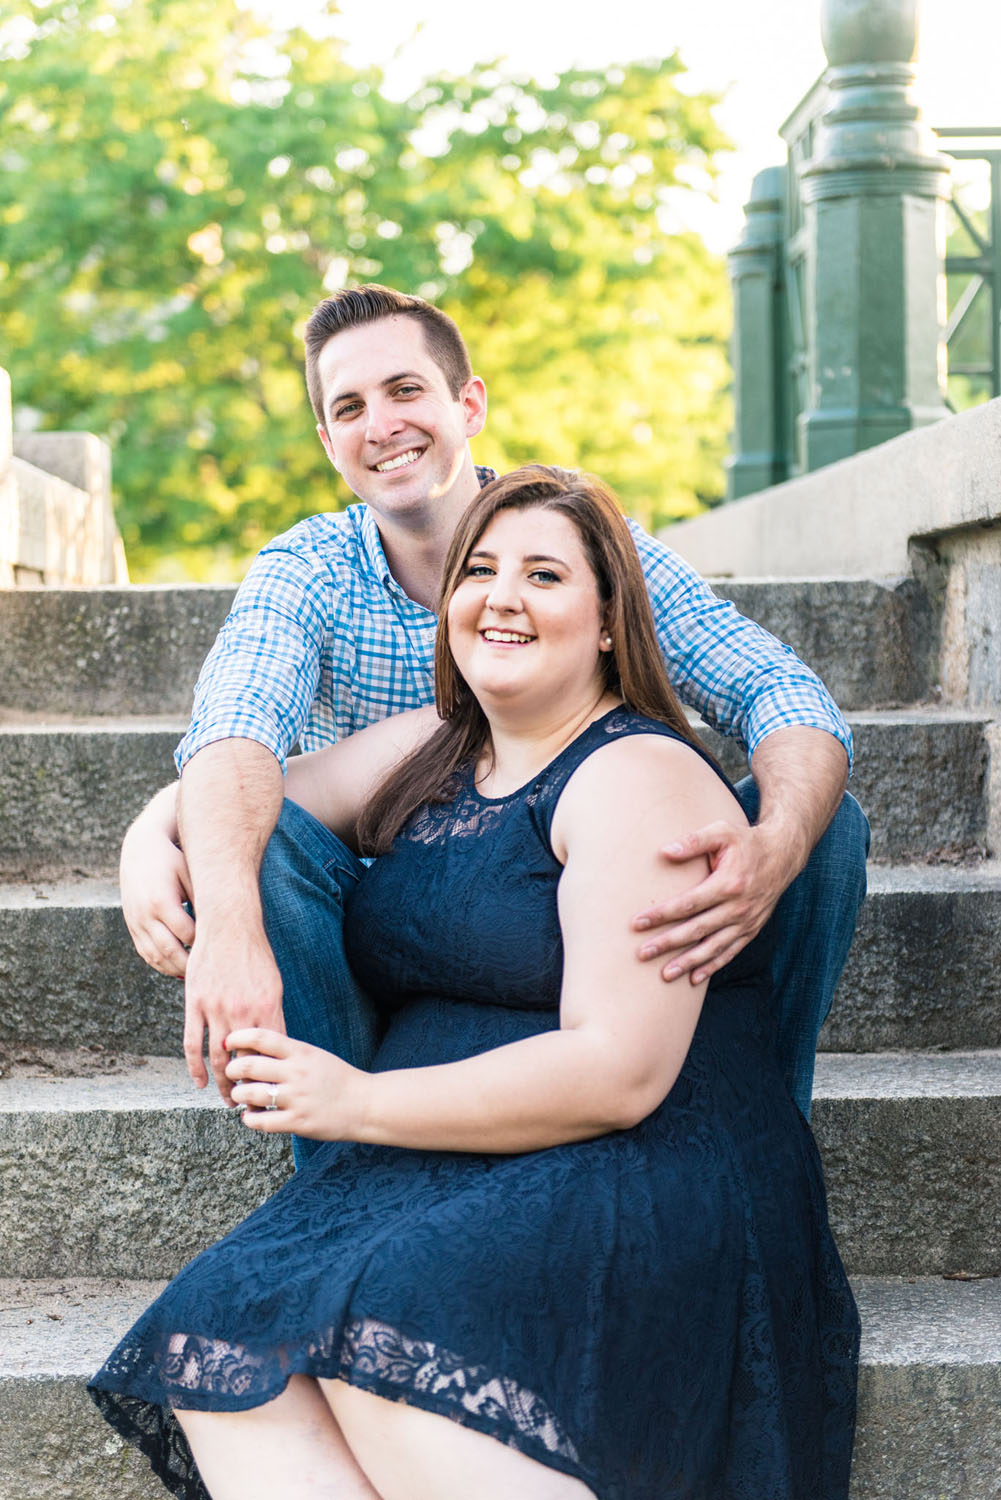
<point x="633" y="669"/>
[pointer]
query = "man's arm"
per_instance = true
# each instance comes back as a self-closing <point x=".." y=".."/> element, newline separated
<point x="154" y="881"/>
<point x="230" y="797"/>
<point x="257" y="683"/>
<point x="801" y="775"/>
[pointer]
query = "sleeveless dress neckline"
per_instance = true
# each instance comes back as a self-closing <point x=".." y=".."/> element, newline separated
<point x="526" y="786"/>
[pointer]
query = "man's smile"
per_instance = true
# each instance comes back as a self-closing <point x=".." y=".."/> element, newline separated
<point x="401" y="461"/>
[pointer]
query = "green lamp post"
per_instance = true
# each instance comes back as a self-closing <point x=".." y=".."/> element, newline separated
<point x="872" y="196"/>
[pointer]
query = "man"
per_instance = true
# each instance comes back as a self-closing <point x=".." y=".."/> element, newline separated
<point x="333" y="628"/>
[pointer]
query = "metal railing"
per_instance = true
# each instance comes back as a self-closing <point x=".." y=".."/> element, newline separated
<point x="973" y="268"/>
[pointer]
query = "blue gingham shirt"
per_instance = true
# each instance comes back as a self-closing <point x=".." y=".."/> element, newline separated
<point x="322" y="641"/>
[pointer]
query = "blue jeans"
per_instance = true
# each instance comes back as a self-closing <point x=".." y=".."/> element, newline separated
<point x="307" y="875"/>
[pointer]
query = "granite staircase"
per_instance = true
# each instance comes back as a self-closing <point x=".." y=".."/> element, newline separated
<point x="114" y="1170"/>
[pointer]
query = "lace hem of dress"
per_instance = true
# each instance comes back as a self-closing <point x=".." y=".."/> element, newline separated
<point x="207" y="1374"/>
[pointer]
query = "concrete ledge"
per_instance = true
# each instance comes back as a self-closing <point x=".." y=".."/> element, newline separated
<point x="921" y="777"/>
<point x="106" y="651"/>
<point x="929" y="1390"/>
<point x="856" y="518"/>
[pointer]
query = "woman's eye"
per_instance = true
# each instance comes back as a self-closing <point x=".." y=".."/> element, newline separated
<point x="478" y="570"/>
<point x="544" y="575"/>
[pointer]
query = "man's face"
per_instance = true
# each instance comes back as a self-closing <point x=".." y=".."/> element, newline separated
<point x="394" y="431"/>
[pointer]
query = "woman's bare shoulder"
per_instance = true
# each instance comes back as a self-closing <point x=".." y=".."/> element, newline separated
<point x="641" y="780"/>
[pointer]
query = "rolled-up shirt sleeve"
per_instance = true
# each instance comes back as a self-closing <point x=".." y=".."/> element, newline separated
<point x="741" y="679"/>
<point x="261" y="675"/>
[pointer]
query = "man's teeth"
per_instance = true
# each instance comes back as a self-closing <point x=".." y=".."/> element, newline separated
<point x="398" y="463"/>
<point x="506" y="635"/>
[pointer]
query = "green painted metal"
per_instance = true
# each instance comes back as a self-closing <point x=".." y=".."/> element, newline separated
<point x="853" y="354"/>
<point x="982" y="270"/>
<point x="760" y="341"/>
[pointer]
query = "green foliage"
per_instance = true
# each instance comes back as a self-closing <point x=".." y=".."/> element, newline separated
<point x="181" y="184"/>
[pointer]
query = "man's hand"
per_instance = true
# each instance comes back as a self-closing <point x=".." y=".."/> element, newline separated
<point x="709" y="925"/>
<point x="801" y="775"/>
<point x="232" y="983"/>
<point x="155" y="883"/>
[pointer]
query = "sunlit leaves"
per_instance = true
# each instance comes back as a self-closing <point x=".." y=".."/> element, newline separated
<point x="179" y="187"/>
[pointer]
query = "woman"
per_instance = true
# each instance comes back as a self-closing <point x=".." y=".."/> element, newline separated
<point x="572" y="1208"/>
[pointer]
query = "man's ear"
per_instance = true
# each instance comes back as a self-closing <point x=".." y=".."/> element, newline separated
<point x="473" y="398"/>
<point x="328" y="446"/>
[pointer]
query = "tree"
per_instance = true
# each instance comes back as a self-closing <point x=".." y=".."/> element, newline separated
<point x="181" y="184"/>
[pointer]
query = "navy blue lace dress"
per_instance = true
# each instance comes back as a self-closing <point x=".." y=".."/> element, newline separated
<point x="660" y="1312"/>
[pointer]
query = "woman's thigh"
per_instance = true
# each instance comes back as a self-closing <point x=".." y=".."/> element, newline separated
<point x="411" y="1454"/>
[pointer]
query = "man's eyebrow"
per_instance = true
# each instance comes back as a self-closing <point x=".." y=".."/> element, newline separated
<point x="390" y="380"/>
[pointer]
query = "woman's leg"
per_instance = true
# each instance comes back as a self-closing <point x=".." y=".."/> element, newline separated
<point x="417" y="1455"/>
<point x="289" y="1449"/>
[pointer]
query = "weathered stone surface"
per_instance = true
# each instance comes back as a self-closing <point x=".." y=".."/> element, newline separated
<point x="132" y="1173"/>
<point x="68" y="792"/>
<point x="832" y="625"/>
<point x="70" y="977"/>
<point x="930" y="1390"/>
<point x="106" y="651"/>
<point x="126" y="1175"/>
<point x="911" y="1146"/>
<point x="925" y="968"/>
<point x="924" y="971"/>
<point x="920" y="775"/>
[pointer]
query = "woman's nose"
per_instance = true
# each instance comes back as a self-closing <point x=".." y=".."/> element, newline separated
<point x="504" y="593"/>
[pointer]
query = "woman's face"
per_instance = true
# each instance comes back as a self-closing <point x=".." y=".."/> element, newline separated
<point x="525" y="623"/>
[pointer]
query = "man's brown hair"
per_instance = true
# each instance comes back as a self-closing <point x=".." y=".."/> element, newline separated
<point x="355" y="306"/>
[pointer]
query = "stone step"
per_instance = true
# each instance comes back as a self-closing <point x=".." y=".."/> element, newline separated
<point x="129" y="1173"/>
<point x="69" y="789"/>
<point x="929" y="1390"/>
<point x="925" y="969"/>
<point x="872" y="641"/>
<point x="139" y="649"/>
<point x="135" y="650"/>
<point x="70" y="977"/>
<point x="921" y="776"/>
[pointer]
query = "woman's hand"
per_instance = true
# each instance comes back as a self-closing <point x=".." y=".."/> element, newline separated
<point x="317" y="1094"/>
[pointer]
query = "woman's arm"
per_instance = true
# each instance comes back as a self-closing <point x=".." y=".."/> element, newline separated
<point x="624" y="1034"/>
<point x="335" y="783"/>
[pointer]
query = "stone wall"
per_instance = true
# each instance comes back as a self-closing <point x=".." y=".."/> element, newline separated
<point x="57" y="525"/>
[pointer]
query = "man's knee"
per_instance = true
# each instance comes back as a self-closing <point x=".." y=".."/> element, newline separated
<point x="302" y="846"/>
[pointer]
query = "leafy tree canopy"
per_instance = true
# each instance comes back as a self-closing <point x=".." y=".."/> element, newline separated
<point x="181" y="183"/>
